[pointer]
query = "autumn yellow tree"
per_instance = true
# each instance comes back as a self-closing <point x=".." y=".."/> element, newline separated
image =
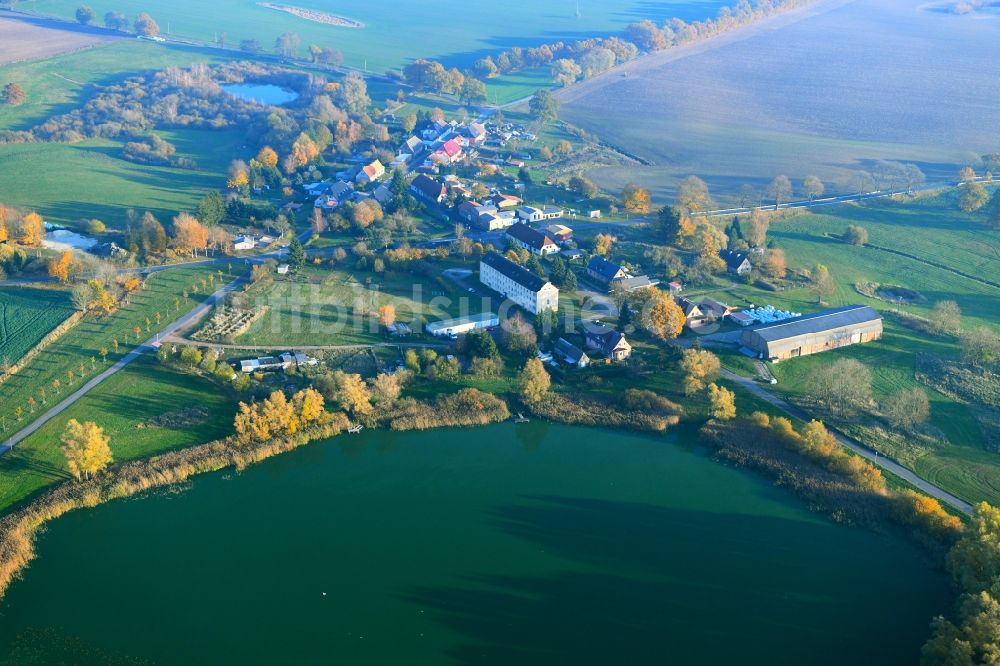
<point x="636" y="199"/>
<point x="59" y="266"/>
<point x="387" y="315"/>
<point x="722" y="402"/>
<point x="386" y="388"/>
<point x="659" y="313"/>
<point x="86" y="448"/>
<point x="603" y="243"/>
<point x="239" y="175"/>
<point x="268" y="157"/>
<point x="699" y="367"/>
<point x="280" y="413"/>
<point x="534" y="381"/>
<point x="31" y="229"/>
<point x="352" y="393"/>
<point x="309" y="405"/>
<point x="189" y="235"/>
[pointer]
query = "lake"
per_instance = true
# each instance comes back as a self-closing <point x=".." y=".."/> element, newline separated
<point x="513" y="544"/>
<point x="261" y="93"/>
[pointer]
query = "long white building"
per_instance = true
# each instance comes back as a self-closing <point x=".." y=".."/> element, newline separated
<point x="520" y="285"/>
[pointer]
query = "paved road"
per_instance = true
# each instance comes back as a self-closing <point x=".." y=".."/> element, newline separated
<point x="150" y="344"/>
<point x="853" y="445"/>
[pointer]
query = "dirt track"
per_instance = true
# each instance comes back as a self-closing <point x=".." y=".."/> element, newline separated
<point x="29" y="38"/>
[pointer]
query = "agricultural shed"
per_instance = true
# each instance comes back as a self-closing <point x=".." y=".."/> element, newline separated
<point x="814" y="333"/>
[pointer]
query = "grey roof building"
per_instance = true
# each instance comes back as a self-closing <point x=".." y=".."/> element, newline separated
<point x="814" y="333"/>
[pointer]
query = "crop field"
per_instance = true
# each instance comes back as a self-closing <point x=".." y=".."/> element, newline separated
<point x="145" y="409"/>
<point x="69" y="182"/>
<point x="930" y="228"/>
<point x="24" y="38"/>
<point x="398" y="31"/>
<point x="27" y="316"/>
<point x="848" y="84"/>
<point x="62" y="83"/>
<point x="79" y="352"/>
<point x="325" y="307"/>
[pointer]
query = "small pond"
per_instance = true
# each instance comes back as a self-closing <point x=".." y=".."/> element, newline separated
<point x="261" y="93"/>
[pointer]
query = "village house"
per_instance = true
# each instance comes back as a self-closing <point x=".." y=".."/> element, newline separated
<point x="737" y="263"/>
<point x="506" y="201"/>
<point x="571" y="354"/>
<point x="611" y="343"/>
<point x="559" y="232"/>
<point x="520" y="285"/>
<point x="428" y="189"/>
<point x="605" y="272"/>
<point x="371" y="173"/>
<point x="632" y="283"/>
<point x="469" y="211"/>
<point x="534" y="241"/>
<point x="716" y="310"/>
<point x="241" y="243"/>
<point x="491" y="219"/>
<point x="814" y="333"/>
<point x="333" y="195"/>
<point x="573" y="254"/>
<point x="382" y="194"/>
<point x="693" y="313"/>
<point x="530" y="214"/>
<point x="449" y="152"/>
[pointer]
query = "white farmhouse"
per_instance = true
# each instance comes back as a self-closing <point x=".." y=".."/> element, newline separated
<point x="520" y="285"/>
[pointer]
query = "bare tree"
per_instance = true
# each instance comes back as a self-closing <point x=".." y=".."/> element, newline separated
<point x="780" y="190"/>
<point x="812" y="187"/>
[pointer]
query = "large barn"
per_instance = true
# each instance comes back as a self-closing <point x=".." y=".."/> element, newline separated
<point x="814" y="333"/>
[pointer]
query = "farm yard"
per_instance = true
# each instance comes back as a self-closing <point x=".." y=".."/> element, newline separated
<point x="883" y="80"/>
<point x="29" y="38"/>
<point x="27" y="316"/>
<point x="962" y="452"/>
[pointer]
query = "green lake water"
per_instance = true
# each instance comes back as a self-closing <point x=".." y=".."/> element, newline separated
<point x="513" y="544"/>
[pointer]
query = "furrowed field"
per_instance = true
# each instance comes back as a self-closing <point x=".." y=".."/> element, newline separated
<point x="825" y="95"/>
<point x="962" y="456"/>
<point x="27" y="316"/>
<point x="398" y="31"/>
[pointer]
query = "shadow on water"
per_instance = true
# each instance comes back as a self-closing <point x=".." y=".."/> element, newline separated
<point x="649" y="585"/>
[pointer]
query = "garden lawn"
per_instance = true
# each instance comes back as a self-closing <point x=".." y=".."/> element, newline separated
<point x="316" y="307"/>
<point x="127" y="400"/>
<point x="27" y="316"/>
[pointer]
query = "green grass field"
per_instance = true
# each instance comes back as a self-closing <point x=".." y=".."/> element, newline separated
<point x="27" y="316"/>
<point x="142" y="391"/>
<point x="398" y="31"/>
<point x="931" y="227"/>
<point x="69" y="182"/>
<point x="82" y="345"/>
